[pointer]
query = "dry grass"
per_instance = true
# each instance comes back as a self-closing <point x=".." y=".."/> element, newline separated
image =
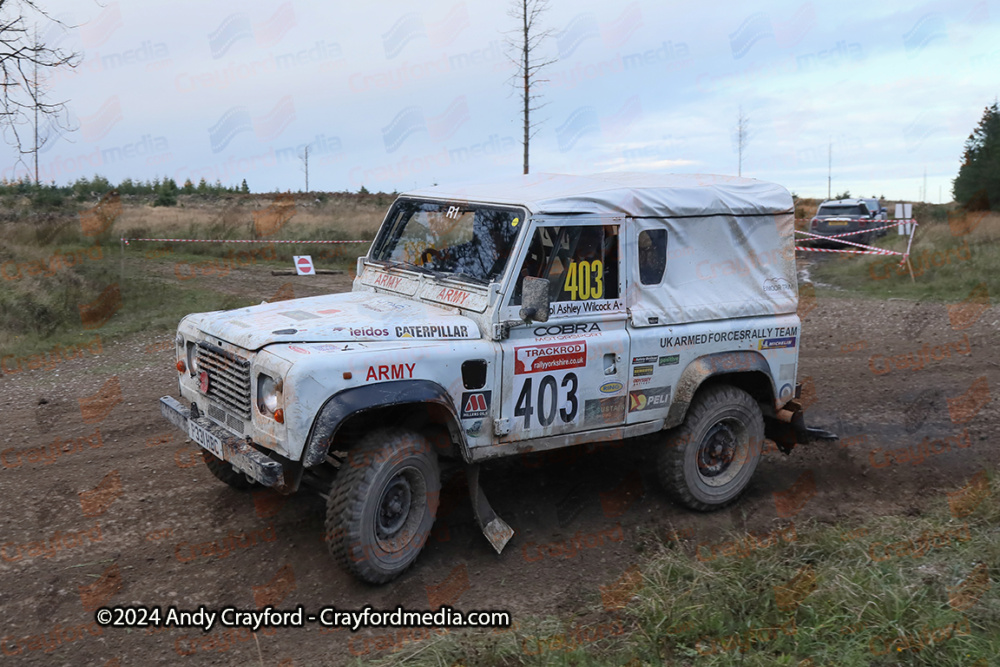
<point x="983" y="228"/>
<point x="343" y="216"/>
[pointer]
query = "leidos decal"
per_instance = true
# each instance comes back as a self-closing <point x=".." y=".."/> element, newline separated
<point x="393" y="372"/>
<point x="476" y="404"/>
<point x="369" y="331"/>
<point x="566" y="329"/>
<point x="556" y="356"/>
<point x="648" y="399"/>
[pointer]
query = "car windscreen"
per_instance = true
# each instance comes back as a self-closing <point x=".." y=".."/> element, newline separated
<point x="469" y="241"/>
<point x="836" y="211"/>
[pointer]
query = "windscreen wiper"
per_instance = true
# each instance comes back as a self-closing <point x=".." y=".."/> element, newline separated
<point x="438" y="275"/>
<point x="407" y="266"/>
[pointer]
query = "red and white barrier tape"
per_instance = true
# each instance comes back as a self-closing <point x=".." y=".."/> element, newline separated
<point x="235" y="241"/>
<point x="865" y="231"/>
<point x="871" y="250"/>
<point x="899" y="221"/>
<point x="850" y="252"/>
<point x="876" y="251"/>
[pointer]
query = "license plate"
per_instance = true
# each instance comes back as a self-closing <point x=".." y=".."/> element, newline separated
<point x="838" y="223"/>
<point x="201" y="435"/>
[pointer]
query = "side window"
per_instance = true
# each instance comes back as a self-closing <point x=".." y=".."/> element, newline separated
<point x="581" y="263"/>
<point x="652" y="256"/>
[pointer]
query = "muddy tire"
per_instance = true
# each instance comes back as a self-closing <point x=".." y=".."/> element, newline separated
<point x="383" y="503"/>
<point x="224" y="471"/>
<point x="707" y="461"/>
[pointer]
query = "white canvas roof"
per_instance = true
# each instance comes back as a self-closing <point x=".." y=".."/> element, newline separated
<point x="625" y="193"/>
<point x="730" y="246"/>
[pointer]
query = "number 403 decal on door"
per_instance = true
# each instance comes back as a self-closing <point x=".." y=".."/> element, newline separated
<point x="541" y="403"/>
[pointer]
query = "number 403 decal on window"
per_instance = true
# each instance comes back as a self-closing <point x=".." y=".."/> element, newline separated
<point x="585" y="280"/>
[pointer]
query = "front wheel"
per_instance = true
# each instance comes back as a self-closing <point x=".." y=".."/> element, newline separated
<point x="383" y="504"/>
<point x="708" y="460"/>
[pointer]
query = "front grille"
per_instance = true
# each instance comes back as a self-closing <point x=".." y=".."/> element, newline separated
<point x="223" y="417"/>
<point x="228" y="380"/>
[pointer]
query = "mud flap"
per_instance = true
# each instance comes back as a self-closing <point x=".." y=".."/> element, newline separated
<point x="789" y="428"/>
<point x="494" y="528"/>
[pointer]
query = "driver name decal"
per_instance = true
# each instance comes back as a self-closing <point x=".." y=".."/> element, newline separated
<point x="575" y="308"/>
<point x="556" y="356"/>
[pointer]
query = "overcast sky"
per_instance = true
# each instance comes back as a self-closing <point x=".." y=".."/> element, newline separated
<point x="397" y="95"/>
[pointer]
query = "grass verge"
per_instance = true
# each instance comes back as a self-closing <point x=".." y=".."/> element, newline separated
<point x="949" y="260"/>
<point x="891" y="591"/>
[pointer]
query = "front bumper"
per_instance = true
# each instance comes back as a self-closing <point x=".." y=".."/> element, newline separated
<point x="238" y="452"/>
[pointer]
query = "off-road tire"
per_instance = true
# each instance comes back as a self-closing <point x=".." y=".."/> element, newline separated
<point x="388" y="471"/>
<point x="224" y="471"/>
<point x="686" y="467"/>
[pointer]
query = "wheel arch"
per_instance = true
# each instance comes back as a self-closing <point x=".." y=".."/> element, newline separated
<point x="386" y="403"/>
<point x="746" y="369"/>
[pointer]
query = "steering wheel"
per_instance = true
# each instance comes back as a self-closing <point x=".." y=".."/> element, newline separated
<point x="429" y="252"/>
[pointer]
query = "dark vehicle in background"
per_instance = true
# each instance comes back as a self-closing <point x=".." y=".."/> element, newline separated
<point x="848" y="215"/>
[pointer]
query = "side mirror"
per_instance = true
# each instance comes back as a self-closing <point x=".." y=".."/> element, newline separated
<point x="535" y="299"/>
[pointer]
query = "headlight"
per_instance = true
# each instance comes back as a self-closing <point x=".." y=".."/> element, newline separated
<point x="267" y="394"/>
<point x="192" y="359"/>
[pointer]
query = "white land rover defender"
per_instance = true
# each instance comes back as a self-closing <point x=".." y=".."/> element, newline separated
<point x="498" y="319"/>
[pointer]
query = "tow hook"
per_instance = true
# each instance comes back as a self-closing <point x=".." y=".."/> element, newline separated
<point x="789" y="428"/>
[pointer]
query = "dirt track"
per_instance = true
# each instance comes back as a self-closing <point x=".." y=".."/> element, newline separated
<point x="144" y="537"/>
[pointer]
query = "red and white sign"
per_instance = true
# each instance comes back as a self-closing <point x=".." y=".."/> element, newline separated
<point x="551" y="357"/>
<point x="304" y="265"/>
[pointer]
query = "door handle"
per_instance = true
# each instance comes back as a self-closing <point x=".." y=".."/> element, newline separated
<point x="610" y="365"/>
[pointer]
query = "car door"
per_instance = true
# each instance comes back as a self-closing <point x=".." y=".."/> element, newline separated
<point x="568" y="374"/>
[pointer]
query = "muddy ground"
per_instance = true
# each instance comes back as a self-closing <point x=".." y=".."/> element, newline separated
<point x="104" y="503"/>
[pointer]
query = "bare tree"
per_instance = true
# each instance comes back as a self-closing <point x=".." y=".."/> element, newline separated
<point x="742" y="136"/>
<point x="305" y="164"/>
<point x="23" y="100"/>
<point x="524" y="45"/>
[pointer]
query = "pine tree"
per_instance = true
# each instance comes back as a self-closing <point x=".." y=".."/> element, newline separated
<point x="245" y="189"/>
<point x="977" y="186"/>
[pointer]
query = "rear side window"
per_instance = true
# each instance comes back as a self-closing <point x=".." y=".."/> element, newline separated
<point x="652" y="256"/>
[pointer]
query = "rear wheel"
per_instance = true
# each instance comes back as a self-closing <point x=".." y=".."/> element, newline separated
<point x="224" y="471"/>
<point x="708" y="460"/>
<point x="383" y="503"/>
